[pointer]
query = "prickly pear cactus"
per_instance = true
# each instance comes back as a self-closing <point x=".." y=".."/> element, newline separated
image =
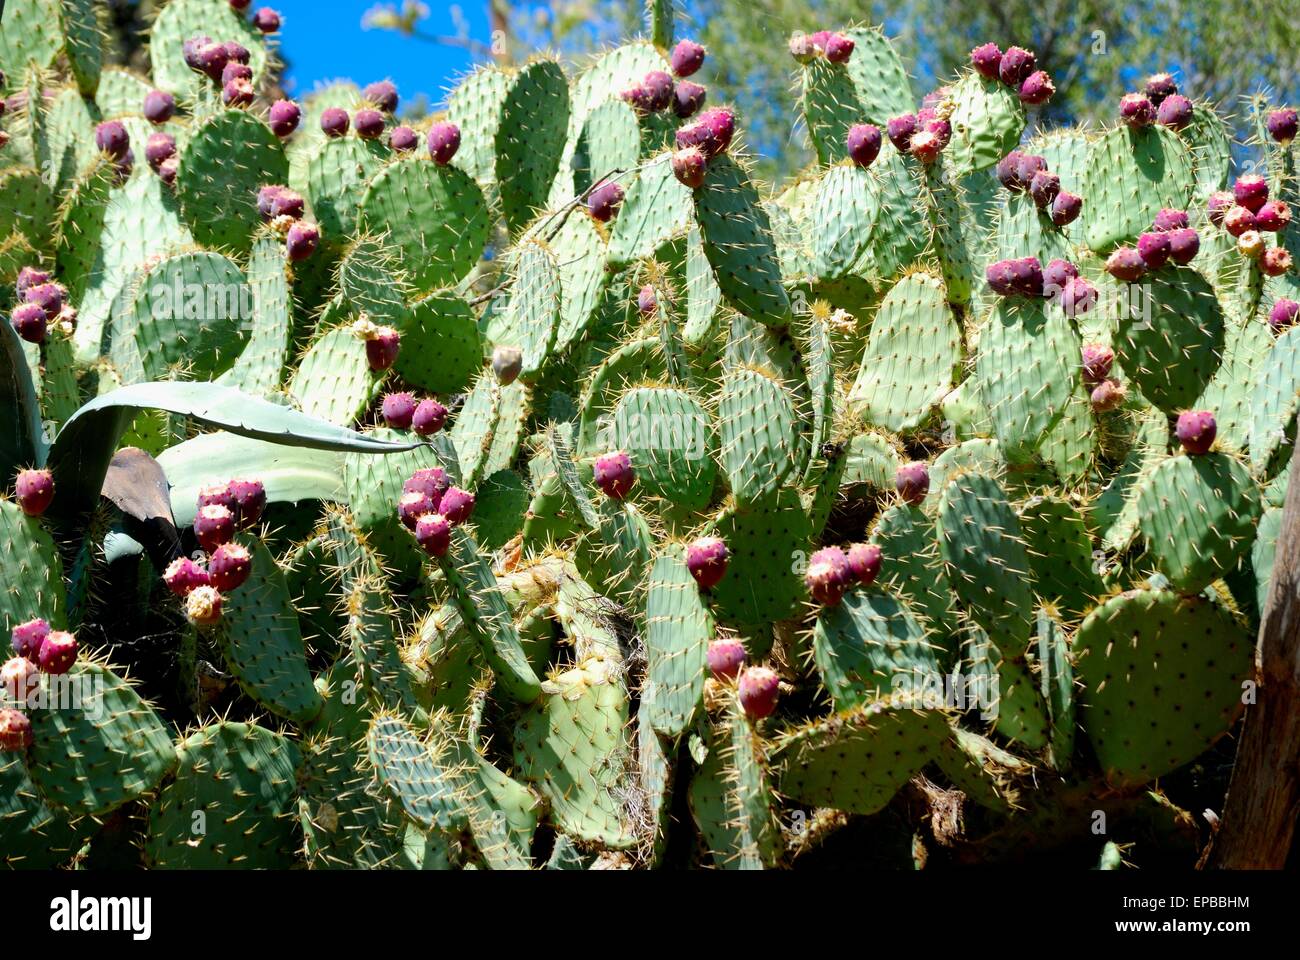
<point x="529" y="486"/>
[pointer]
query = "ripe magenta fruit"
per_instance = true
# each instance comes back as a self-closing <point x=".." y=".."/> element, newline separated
<point x="403" y="139"/>
<point x="725" y="658"/>
<point x="613" y="474"/>
<point x="369" y="124"/>
<point x="1066" y="208"/>
<point x="900" y="131"/>
<point x="687" y="57"/>
<point x="1154" y="249"/>
<point x="159" y="147"/>
<point x="237" y="93"/>
<point x="759" y="691"/>
<point x="1126" y="264"/>
<point x="1251" y="191"/>
<point x="382" y="349"/>
<point x="411" y="506"/>
<point x="839" y="48"/>
<point x="1044" y="188"/>
<point x="1275" y="262"/>
<point x="828" y="576"/>
<point x="1184" y="245"/>
<point x="1169" y="219"/>
<point x="213" y="526"/>
<point x="706" y="559"/>
<point x="1097" y="361"/>
<point x="603" y="202"/>
<point x="690" y="166"/>
<point x="58" y="652"/>
<point x="266" y="20"/>
<point x="433" y="482"/>
<point x="433" y="534"/>
<point x="1136" y="110"/>
<point x="183" y="575"/>
<point x="1196" y="430"/>
<point x="1160" y="86"/>
<point x="334" y="121"/>
<point x="28" y="637"/>
<point x="29" y="322"/>
<point x="1107" y="395"/>
<point x="302" y="240"/>
<point x="1282" y="315"/>
<point x="248" y="501"/>
<point x="864" y="562"/>
<point x="383" y="94"/>
<point x="1238" y="220"/>
<point x="229" y="566"/>
<point x="443" y="142"/>
<point x="1175" y="112"/>
<point x="111" y="138"/>
<point x="19" y="680"/>
<point x="398" y="410"/>
<point x="456" y="505"/>
<point x="646" y="301"/>
<point x="688" y="97"/>
<point x="1056" y="274"/>
<point x="284" y="117"/>
<point x="1037" y="88"/>
<point x="15" y="730"/>
<point x="1016" y="66"/>
<point x="863" y="143"/>
<point x="35" y="491"/>
<point x="1218" y="205"/>
<point x="1078" y="297"/>
<point x="430" y="417"/>
<point x="658" y="87"/>
<point x="1282" y="125"/>
<point x="926" y="146"/>
<point x="1273" y="216"/>
<point x="159" y="106"/>
<point x="912" y="481"/>
<point x="987" y="60"/>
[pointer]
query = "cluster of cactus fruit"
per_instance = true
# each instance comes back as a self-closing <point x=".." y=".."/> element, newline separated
<point x="556" y="496"/>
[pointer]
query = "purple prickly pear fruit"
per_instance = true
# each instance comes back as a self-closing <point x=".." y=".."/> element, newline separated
<point x="302" y="240"/>
<point x="689" y="167"/>
<point x="237" y="93"/>
<point x="1000" y="278"/>
<point x="688" y="97"/>
<point x="1184" y="245"/>
<point x="275" y="200"/>
<point x="1282" y="315"/>
<point x="28" y="637"/>
<point x="191" y="50"/>
<point x="646" y="301"/>
<point x="603" y="202"/>
<point x="1159" y="87"/>
<point x="1037" y="89"/>
<point x="403" y="139"/>
<point x="35" y="491"/>
<point x="926" y="146"/>
<point x="1250" y="191"/>
<point x="284" y="117"/>
<point x="1283" y="125"/>
<point x="213" y="526"/>
<point x="247" y="501"/>
<point x="382" y="349"/>
<point x="720" y="126"/>
<point x="229" y="566"/>
<point x="686" y="58"/>
<point x="507" y="364"/>
<point x="217" y="494"/>
<point x="183" y="575"/>
<point x="819" y="39"/>
<point x="802" y="49"/>
<point x="433" y="482"/>
<point x="759" y="690"/>
<point x="160" y="147"/>
<point x="334" y="121"/>
<point x="1251" y="244"/>
<point x="1169" y="219"/>
<point x="828" y="576"/>
<point x="1196" y="430"/>
<point x="1023" y="277"/>
<point x="111" y="138"/>
<point x="238" y="53"/>
<point x="1175" y="112"/>
<point x="1008" y="171"/>
<point x="433" y="534"/>
<point x="1029" y="166"/>
<point x="1097" y="361"/>
<point x="15" y="730"/>
<point x="638" y="98"/>
<point x="398" y="410"/>
<point x="1238" y="220"/>
<point x="941" y="129"/>
<point x="1275" y="262"/>
<point x="1126" y="264"/>
<point x="1044" y="188"/>
<point x="456" y="505"/>
<point x="863" y="143"/>
<point x="1136" y="110"/>
<point x="430" y="417"/>
<point x="1016" y="65"/>
<point x="839" y="48"/>
<point x="1078" y="297"/>
<point x="413" y="505"/>
<point x="865" y="560"/>
<point x="1107" y="395"/>
<point x="369" y="124"/>
<point x="1218" y="205"/>
<point x="987" y="60"/>
<point x="725" y="658"/>
<point x="234" y="70"/>
<point x="29" y="277"/>
<point x="613" y="474"/>
<point x="203" y="606"/>
<point x="239" y="6"/>
<point x="900" y="131"/>
<point x="932" y="99"/>
<point x="383" y="94"/>
<point x="659" y="90"/>
<point x="444" y="141"/>
<point x="1056" y="274"/>
<point x="29" y="322"/>
<point x="58" y="652"/>
<point x="1154" y="249"/>
<point x="212" y="59"/>
<point x="159" y="106"/>
<point x="1066" y="208"/>
<point x="47" y="296"/>
<point x="1273" y="216"/>
<point x="912" y="481"/>
<point x="266" y="20"/>
<point x="19" y="680"/>
<point x="706" y="559"/>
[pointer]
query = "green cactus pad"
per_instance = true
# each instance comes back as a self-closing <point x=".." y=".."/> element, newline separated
<point x="338" y="173"/>
<point x="262" y="643"/>
<point x="223" y="164"/>
<point x="1197" y="515"/>
<point x="668" y="435"/>
<point x="27" y="211"/>
<point x="530" y="140"/>
<point x="911" y="355"/>
<point x="475" y="108"/>
<point x="572" y="747"/>
<point x="1132" y="174"/>
<point x="610" y="141"/>
<point x="70" y="130"/>
<point x="1163" y="677"/>
<point x="442" y="348"/>
<point x="532" y="318"/>
<point x="33" y="836"/>
<point x="911" y="565"/>
<point x="333" y="380"/>
<point x="181" y="19"/>
<point x="97" y="745"/>
<point x="1025" y="231"/>
<point x="678" y="630"/>
<point x="738" y="242"/>
<point x="758" y="434"/>
<point x="241" y="779"/>
<point x="984" y="551"/>
<point x="856" y="760"/>
<point x="987" y="120"/>
<point x="421" y="775"/>
<point x="1006" y="691"/>
<point x="31" y="35"/>
<point x="29" y="569"/>
<point x="1264" y="553"/>
<point x="1056" y="686"/>
<point x="260" y="365"/>
<point x="435" y="217"/>
<point x="1274" y="401"/>
<point x="1230" y="391"/>
<point x="766" y="540"/>
<point x="1060" y="555"/>
<point x="656" y="208"/>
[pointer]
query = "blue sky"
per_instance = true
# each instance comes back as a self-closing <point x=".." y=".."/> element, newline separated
<point x="324" y="41"/>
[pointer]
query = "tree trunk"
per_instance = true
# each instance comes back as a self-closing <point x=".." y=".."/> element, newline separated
<point x="1259" y="815"/>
